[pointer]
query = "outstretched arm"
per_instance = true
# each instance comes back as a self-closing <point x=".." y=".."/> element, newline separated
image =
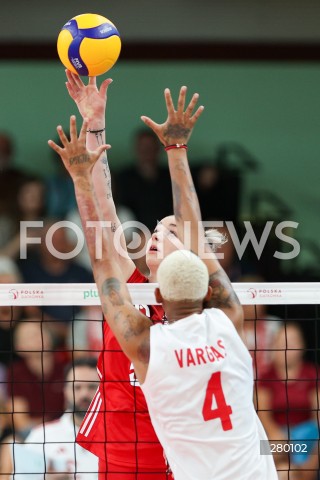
<point x="131" y="328"/>
<point x="177" y="129"/>
<point x="79" y="162"/>
<point x="91" y="103"/>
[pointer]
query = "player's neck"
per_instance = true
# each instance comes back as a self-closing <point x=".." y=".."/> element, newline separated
<point x="153" y="274"/>
<point x="179" y="310"/>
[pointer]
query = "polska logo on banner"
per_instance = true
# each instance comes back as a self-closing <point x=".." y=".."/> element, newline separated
<point x="15" y="294"/>
<point x="264" y="293"/>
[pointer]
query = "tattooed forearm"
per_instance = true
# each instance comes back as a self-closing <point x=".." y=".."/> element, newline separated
<point x="133" y="327"/>
<point x="223" y="295"/>
<point x="107" y="175"/>
<point x="111" y="288"/>
<point x="176" y="193"/>
<point x="88" y="211"/>
<point x="184" y="185"/>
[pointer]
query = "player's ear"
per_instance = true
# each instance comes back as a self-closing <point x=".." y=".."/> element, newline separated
<point x="158" y="295"/>
<point x="208" y="294"/>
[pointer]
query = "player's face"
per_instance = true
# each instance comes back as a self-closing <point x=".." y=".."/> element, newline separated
<point x="163" y="241"/>
<point x="81" y="385"/>
<point x="32" y="339"/>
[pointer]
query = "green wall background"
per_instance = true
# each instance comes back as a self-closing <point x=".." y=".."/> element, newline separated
<point x="271" y="109"/>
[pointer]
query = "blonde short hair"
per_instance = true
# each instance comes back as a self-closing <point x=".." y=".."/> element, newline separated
<point x="182" y="275"/>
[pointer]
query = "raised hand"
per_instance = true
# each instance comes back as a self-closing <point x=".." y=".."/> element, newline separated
<point x="180" y="122"/>
<point x="77" y="159"/>
<point x="90" y="100"/>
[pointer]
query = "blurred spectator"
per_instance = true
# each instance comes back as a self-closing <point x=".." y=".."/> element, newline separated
<point x="51" y="266"/>
<point x="11" y="179"/>
<point x="4" y="420"/>
<point x="218" y="191"/>
<point x="35" y="380"/>
<point x="56" y="440"/>
<point x="3" y="378"/>
<point x="30" y="207"/>
<point x="6" y="440"/>
<point x="31" y="200"/>
<point x="219" y="181"/>
<point x="287" y="396"/>
<point x="260" y="329"/>
<point x="9" y="273"/>
<point x="60" y="197"/>
<point x="310" y="470"/>
<point x="85" y="333"/>
<point x="145" y="187"/>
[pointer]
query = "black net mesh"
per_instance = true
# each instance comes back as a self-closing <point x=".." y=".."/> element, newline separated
<point x="49" y="394"/>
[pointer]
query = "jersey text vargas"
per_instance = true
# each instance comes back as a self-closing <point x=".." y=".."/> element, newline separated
<point x="199" y="356"/>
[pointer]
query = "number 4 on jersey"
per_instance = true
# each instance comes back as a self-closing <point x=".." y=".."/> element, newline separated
<point x="223" y="411"/>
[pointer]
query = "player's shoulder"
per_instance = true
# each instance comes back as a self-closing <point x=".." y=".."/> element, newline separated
<point x="217" y="313"/>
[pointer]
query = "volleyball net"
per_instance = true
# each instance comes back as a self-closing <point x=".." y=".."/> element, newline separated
<point x="40" y="415"/>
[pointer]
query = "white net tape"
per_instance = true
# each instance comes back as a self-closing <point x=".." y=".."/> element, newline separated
<point x="87" y="294"/>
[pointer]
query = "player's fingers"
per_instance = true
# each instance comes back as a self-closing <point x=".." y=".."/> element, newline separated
<point x="150" y="123"/>
<point x="69" y="76"/>
<point x="55" y="147"/>
<point x="71" y="90"/>
<point x="73" y="128"/>
<point x="74" y="79"/>
<point x="182" y="99"/>
<point x="92" y="81"/>
<point x="192" y="104"/>
<point x="102" y="149"/>
<point x="197" y="114"/>
<point x="104" y="86"/>
<point x="169" y="102"/>
<point x="62" y="136"/>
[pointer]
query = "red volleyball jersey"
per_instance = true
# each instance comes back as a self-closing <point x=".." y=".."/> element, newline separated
<point x="117" y="425"/>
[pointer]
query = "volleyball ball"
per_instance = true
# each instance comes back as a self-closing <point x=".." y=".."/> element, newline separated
<point x="89" y="45"/>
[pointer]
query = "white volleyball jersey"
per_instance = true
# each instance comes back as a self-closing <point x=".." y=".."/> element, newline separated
<point x="199" y="389"/>
<point x="56" y="443"/>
